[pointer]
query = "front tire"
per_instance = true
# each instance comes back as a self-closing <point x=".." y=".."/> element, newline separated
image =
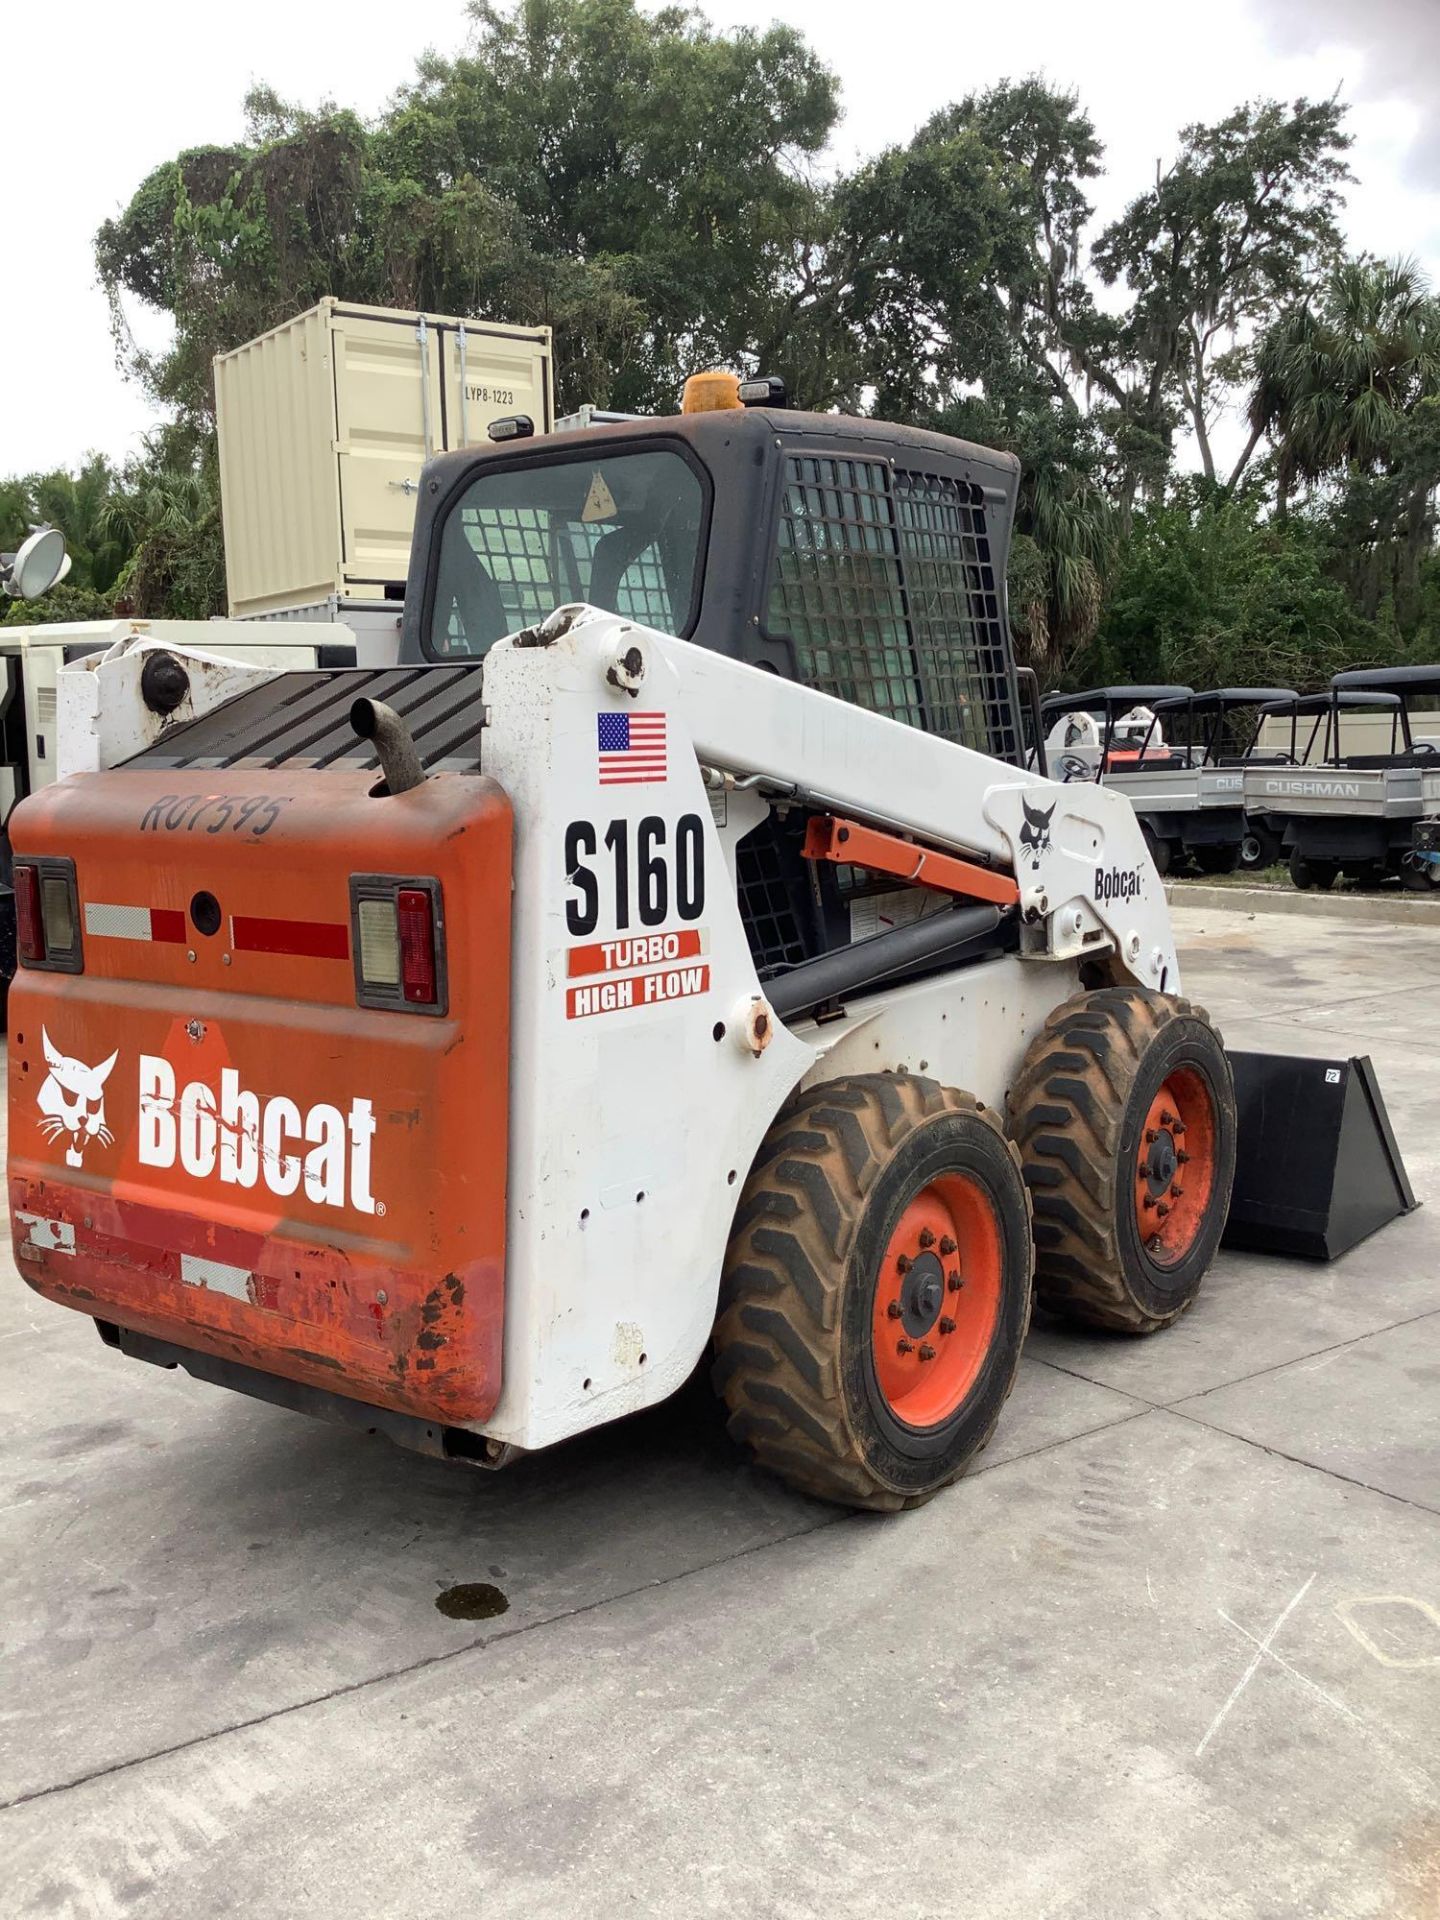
<point x="1320" y="874"/>
<point x="1124" y="1113"/>
<point x="876" y="1290"/>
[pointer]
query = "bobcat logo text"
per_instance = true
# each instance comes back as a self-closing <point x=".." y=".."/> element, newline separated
<point x="1117" y="883"/>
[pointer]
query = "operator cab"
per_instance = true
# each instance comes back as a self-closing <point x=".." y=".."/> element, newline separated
<point x="862" y="559"/>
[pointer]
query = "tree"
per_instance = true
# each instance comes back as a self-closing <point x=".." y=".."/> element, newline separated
<point x="1209" y="592"/>
<point x="79" y="504"/>
<point x="531" y="179"/>
<point x="962" y="253"/>
<point x="1230" y="231"/>
<point x="1347" y="387"/>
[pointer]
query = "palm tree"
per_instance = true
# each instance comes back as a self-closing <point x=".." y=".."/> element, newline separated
<point x="1348" y="389"/>
<point x="159" y="500"/>
<point x="1337" y="379"/>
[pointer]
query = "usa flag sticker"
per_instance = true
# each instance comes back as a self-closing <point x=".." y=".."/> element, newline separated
<point x="631" y="748"/>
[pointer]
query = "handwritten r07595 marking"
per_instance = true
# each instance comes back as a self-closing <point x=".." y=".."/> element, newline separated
<point x="253" y="814"/>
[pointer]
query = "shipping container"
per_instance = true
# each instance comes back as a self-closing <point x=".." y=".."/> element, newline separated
<point x="324" y="424"/>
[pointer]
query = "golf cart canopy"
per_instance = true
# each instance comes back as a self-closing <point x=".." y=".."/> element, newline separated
<point x="1218" y="699"/>
<point x="1206" y="727"/>
<point x="1406" y="683"/>
<point x="1301" y="704"/>
<point x="1110" y="699"/>
<point x="1326" y="708"/>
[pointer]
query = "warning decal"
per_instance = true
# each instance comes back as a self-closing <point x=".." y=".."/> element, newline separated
<point x="636" y="990"/>
<point x="599" y="501"/>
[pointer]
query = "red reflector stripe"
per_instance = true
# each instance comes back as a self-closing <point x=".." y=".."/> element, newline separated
<point x="311" y="939"/>
<point x="105" y="920"/>
<point x="167" y="923"/>
<point x="29" y="927"/>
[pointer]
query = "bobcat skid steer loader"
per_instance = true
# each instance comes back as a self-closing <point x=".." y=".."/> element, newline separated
<point x="672" y="955"/>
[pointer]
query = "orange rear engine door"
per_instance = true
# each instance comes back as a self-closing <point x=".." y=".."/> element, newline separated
<point x="211" y="1141"/>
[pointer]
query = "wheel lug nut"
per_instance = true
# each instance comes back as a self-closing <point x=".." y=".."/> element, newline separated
<point x="893" y="1309"/>
<point x="904" y="1346"/>
<point x="1182" y="1157"/>
<point x="1161" y="1208"/>
<point x="1176" y="1192"/>
<point x="903" y="1263"/>
<point x="927" y="1352"/>
<point x="953" y="1282"/>
<point x="947" y="1245"/>
<point x="1151" y="1136"/>
<point x="927" y="1238"/>
<point x="947" y="1325"/>
<point x="1178" y="1127"/>
<point x="1147" y="1200"/>
<point x="1167" y="1119"/>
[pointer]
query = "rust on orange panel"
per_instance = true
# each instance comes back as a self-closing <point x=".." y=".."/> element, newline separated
<point x="848" y="843"/>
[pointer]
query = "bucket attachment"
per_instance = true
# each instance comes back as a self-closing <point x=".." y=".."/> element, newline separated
<point x="1317" y="1167"/>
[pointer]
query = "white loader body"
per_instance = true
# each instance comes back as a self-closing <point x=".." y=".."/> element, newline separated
<point x="640" y="1085"/>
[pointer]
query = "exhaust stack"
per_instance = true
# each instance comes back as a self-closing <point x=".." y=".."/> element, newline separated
<point x="376" y="721"/>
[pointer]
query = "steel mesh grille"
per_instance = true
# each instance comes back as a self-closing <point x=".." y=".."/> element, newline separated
<point x="955" y="612"/>
<point x="514" y="545"/>
<point x="836" y="588"/>
<point x="773" y="885"/>
<point x="886" y="586"/>
<point x="537" y="563"/>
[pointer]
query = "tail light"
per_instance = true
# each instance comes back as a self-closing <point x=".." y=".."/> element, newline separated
<point x="399" y="943"/>
<point x="47" y="915"/>
<point x="415" y="909"/>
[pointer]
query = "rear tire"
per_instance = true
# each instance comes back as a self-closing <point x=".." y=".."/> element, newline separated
<point x="1158" y="849"/>
<point x="1259" y="849"/>
<point x="1117" y="1086"/>
<point x="857" y="1358"/>
<point x="1320" y="874"/>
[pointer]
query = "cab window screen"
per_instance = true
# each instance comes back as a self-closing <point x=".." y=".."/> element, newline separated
<point x="619" y="531"/>
<point x="885" y="585"/>
<point x="836" y="586"/>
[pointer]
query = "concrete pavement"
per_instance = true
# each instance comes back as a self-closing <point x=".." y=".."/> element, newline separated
<point x="1174" y="1648"/>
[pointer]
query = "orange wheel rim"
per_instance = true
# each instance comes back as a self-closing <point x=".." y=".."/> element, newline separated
<point x="937" y="1300"/>
<point x="1175" y="1169"/>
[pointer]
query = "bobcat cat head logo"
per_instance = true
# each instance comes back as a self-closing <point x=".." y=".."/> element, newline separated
<point x="1035" y="833"/>
<point x="72" y="1101"/>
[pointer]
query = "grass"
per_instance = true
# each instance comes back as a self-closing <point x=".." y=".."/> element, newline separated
<point x="1278" y="876"/>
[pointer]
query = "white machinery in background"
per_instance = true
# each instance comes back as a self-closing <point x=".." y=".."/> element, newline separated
<point x="66" y="706"/>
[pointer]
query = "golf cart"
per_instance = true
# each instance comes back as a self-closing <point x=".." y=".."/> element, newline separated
<point x="1178" y="756"/>
<point x="1340" y="809"/>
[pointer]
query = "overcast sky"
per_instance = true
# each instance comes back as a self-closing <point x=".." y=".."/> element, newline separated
<point x="96" y="95"/>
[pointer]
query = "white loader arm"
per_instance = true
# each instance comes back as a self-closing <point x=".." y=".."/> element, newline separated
<point x="1087" y="882"/>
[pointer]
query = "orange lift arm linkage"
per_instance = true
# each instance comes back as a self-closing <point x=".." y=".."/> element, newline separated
<point x="847" y="843"/>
